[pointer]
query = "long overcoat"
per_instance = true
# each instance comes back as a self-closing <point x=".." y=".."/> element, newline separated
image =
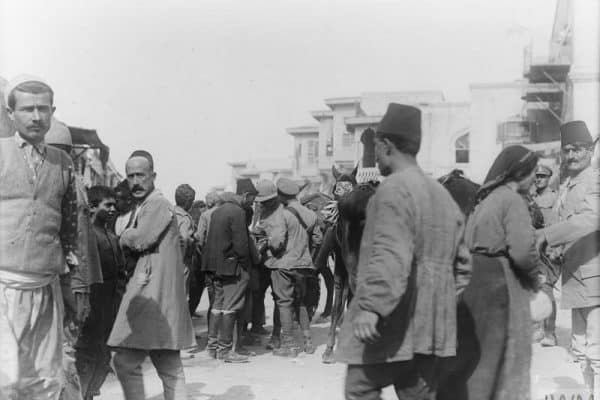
<point x="154" y="312"/>
<point x="578" y="209"/>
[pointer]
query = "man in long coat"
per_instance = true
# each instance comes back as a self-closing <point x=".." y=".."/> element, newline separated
<point x="576" y="233"/>
<point x="153" y="319"/>
<point x="402" y="321"/>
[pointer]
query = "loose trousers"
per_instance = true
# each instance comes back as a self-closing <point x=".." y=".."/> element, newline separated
<point x="128" y="366"/>
<point x="414" y="379"/>
<point x="31" y="342"/>
<point x="585" y="326"/>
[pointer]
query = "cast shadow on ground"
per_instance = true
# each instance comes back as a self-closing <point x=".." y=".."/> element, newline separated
<point x="569" y="389"/>
<point x="257" y="343"/>
<point x="194" y="392"/>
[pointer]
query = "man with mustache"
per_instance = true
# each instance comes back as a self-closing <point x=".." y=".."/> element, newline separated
<point x="153" y="319"/>
<point x="38" y="240"/>
<point x="576" y="236"/>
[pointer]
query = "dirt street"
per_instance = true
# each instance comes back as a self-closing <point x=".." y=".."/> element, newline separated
<point x="272" y="378"/>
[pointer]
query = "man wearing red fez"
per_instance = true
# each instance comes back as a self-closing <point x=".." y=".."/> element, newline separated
<point x="402" y="322"/>
<point x="576" y="236"/>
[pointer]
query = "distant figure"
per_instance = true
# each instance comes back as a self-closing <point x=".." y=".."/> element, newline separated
<point x="298" y="280"/>
<point x="198" y="207"/>
<point x="545" y="198"/>
<point x="226" y="260"/>
<point x="38" y="227"/>
<point x="124" y="206"/>
<point x="576" y="239"/>
<point x="153" y="319"/>
<point x="184" y="197"/>
<point x="212" y="202"/>
<point x="401" y="323"/>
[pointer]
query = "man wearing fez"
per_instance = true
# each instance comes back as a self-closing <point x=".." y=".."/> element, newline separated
<point x="402" y="322"/>
<point x="576" y="236"/>
<point x="226" y="260"/>
<point x="38" y="231"/>
<point x="153" y="319"/>
<point x="545" y="199"/>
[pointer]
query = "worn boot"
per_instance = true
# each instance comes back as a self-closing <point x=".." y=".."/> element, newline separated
<point x="288" y="346"/>
<point x="273" y="343"/>
<point x="214" y="325"/>
<point x="549" y="325"/>
<point x="225" y="351"/>
<point x="309" y="347"/>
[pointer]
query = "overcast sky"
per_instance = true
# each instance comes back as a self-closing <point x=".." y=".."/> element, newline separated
<point x="201" y="83"/>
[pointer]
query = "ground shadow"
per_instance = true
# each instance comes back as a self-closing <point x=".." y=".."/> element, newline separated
<point x="195" y="391"/>
<point x="569" y="389"/>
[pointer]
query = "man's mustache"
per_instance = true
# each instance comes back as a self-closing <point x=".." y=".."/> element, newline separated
<point x="136" y="188"/>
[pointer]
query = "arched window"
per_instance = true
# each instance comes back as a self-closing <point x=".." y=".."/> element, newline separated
<point x="461" y="148"/>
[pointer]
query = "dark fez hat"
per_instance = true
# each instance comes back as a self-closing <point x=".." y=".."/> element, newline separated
<point x="245" y="185"/>
<point x="575" y="132"/>
<point x="402" y="121"/>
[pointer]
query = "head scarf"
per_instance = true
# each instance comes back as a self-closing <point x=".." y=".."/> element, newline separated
<point x="513" y="163"/>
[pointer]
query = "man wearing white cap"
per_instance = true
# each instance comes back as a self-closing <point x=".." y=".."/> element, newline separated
<point x="38" y="231"/>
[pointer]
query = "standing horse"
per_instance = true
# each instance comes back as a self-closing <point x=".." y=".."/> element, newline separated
<point x="348" y="234"/>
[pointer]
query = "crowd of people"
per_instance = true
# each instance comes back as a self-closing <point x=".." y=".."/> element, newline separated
<point x="100" y="279"/>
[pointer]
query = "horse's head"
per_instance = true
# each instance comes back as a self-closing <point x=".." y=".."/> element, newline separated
<point x="353" y="205"/>
<point x="344" y="183"/>
<point x="462" y="190"/>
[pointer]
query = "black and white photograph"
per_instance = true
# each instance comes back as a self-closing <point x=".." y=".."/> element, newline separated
<point x="300" y="199"/>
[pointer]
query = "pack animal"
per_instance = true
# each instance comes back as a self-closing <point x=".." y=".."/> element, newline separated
<point x="347" y="234"/>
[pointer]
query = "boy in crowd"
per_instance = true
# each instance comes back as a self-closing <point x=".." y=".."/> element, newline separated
<point x="93" y="355"/>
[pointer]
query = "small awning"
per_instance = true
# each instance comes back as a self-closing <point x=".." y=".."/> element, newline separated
<point x="88" y="139"/>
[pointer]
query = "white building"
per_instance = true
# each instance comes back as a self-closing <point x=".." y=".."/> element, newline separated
<point x="561" y="86"/>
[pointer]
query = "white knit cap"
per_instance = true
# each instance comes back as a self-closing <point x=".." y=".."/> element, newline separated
<point x="17" y="80"/>
<point x="58" y="134"/>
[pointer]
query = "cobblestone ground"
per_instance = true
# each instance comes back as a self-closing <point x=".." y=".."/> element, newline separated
<point x="272" y="378"/>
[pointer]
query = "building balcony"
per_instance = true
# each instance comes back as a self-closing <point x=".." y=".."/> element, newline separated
<point x="544" y="71"/>
<point x="544" y="92"/>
